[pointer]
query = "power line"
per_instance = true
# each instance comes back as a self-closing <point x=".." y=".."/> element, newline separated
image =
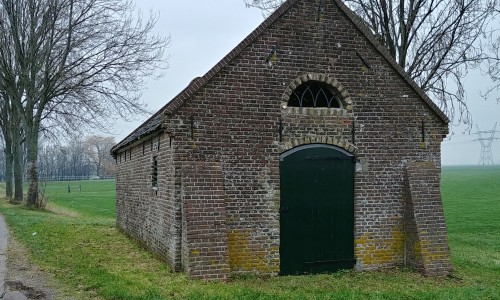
<point x="459" y="142"/>
<point x="486" y="138"/>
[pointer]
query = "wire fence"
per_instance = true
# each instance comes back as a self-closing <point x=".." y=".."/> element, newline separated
<point x="74" y="178"/>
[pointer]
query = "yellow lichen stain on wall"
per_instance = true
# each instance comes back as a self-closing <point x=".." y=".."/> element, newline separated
<point x="245" y="256"/>
<point x="373" y="250"/>
<point x="238" y="248"/>
<point x="427" y="254"/>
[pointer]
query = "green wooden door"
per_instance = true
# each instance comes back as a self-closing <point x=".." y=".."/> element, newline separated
<point x="316" y="210"/>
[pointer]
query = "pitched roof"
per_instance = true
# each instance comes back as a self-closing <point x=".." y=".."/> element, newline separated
<point x="150" y="125"/>
<point x="155" y="121"/>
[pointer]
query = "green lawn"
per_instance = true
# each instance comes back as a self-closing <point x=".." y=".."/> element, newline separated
<point x="76" y="240"/>
<point x="91" y="198"/>
<point x="471" y="197"/>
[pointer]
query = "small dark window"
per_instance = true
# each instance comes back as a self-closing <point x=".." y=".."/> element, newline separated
<point x="143" y="147"/>
<point x="314" y="94"/>
<point x="154" y="173"/>
<point x="158" y="145"/>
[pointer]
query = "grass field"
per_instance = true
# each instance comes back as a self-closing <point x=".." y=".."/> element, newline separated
<point x="76" y="240"/>
<point x="91" y="198"/>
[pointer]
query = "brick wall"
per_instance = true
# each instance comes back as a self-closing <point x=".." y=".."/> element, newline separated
<point x="147" y="215"/>
<point x="239" y="120"/>
<point x="427" y="242"/>
<point x="204" y="231"/>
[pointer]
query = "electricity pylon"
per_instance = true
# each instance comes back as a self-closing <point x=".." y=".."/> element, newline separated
<point x="486" y="138"/>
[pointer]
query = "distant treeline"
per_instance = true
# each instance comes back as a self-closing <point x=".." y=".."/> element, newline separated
<point x="81" y="159"/>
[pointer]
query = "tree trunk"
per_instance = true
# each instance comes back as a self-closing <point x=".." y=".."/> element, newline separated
<point x="98" y="169"/>
<point x="7" y="137"/>
<point x="17" y="164"/>
<point x="33" y="200"/>
<point x="8" y="169"/>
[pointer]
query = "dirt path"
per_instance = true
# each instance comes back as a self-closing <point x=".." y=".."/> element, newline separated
<point x="24" y="277"/>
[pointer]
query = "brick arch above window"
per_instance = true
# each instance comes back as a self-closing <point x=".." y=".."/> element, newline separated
<point x="322" y="80"/>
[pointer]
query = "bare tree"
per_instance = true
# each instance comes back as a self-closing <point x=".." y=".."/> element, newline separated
<point x="108" y="167"/>
<point x="492" y="67"/>
<point x="2" y="161"/>
<point x="76" y="155"/>
<point x="267" y="6"/>
<point x="47" y="161"/>
<point x="17" y="157"/>
<point x="97" y="149"/>
<point x="78" y="158"/>
<point x="12" y="136"/>
<point x="7" y="139"/>
<point x="78" y="62"/>
<point x="435" y="41"/>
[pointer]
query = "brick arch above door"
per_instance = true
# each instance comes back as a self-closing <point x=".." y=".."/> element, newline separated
<point x="339" y="142"/>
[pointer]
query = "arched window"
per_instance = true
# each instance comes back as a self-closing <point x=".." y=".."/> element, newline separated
<point x="315" y="94"/>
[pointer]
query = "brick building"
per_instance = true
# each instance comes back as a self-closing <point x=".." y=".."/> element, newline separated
<point x="306" y="149"/>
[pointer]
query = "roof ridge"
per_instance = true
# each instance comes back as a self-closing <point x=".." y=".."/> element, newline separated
<point x="135" y="134"/>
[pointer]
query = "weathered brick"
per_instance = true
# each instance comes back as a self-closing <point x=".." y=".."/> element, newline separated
<point x="216" y="209"/>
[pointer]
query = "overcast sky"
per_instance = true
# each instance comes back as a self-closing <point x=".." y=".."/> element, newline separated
<point x="203" y="32"/>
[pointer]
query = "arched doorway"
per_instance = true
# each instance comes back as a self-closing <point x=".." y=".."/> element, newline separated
<point x="316" y="210"/>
